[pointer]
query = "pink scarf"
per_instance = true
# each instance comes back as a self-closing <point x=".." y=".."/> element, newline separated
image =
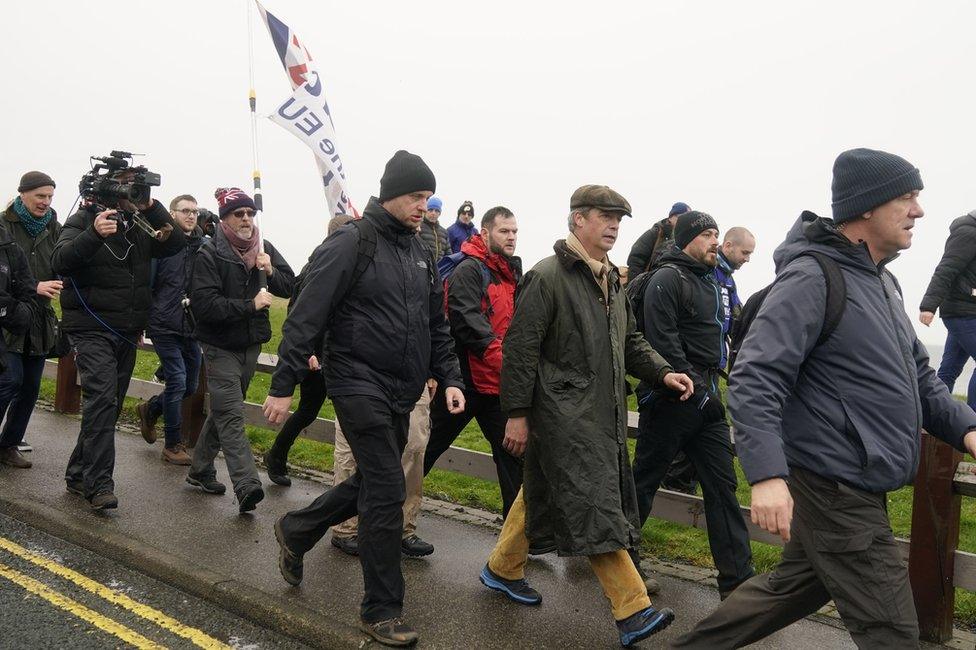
<point x="246" y="248"/>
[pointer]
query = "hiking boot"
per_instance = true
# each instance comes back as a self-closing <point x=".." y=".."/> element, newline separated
<point x="104" y="501"/>
<point x="250" y="499"/>
<point x="289" y="563"/>
<point x="348" y="545"/>
<point x="75" y="487"/>
<point x="415" y="547"/>
<point x="147" y="425"/>
<point x="208" y="484"/>
<point x="176" y="455"/>
<point x="10" y="456"/>
<point x="277" y="471"/>
<point x="393" y="632"/>
<point x="24" y="447"/>
<point x="643" y="624"/>
<point x="518" y="590"/>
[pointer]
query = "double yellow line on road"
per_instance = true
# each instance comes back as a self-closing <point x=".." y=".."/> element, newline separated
<point x="128" y="635"/>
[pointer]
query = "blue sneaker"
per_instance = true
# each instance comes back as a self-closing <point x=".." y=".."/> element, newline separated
<point x="643" y="624"/>
<point x="517" y="590"/>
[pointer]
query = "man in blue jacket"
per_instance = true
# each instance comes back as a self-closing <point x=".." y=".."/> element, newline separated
<point x="825" y="431"/>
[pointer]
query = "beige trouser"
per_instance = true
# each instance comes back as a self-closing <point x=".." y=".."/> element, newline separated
<point x="621" y="583"/>
<point x="413" y="467"/>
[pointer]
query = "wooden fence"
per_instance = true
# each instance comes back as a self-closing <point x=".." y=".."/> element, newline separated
<point x="936" y="566"/>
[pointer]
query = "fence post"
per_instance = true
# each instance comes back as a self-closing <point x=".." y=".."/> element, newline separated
<point x="67" y="393"/>
<point x="194" y="413"/>
<point x="935" y="536"/>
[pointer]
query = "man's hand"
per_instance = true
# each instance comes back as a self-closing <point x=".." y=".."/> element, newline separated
<point x="264" y="263"/>
<point x="276" y="409"/>
<point x="262" y="300"/>
<point x="455" y="400"/>
<point x="925" y="317"/>
<point x="516" y="436"/>
<point x="313" y="363"/>
<point x="431" y="388"/>
<point x="105" y="225"/>
<point x="772" y="507"/>
<point x="680" y="382"/>
<point x="970" y="443"/>
<point x="50" y="288"/>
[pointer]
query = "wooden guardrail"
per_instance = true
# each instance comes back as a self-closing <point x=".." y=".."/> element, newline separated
<point x="936" y="566"/>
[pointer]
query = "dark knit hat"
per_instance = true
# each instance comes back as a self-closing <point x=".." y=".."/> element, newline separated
<point x="405" y="173"/>
<point x="679" y="208"/>
<point x="691" y="224"/>
<point x="466" y="208"/>
<point x="865" y="179"/>
<point x="232" y="198"/>
<point x="33" y="180"/>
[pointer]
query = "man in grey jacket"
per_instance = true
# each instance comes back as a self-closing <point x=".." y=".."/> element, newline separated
<point x="825" y="431"/>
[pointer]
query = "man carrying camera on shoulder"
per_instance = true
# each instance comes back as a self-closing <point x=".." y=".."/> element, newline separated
<point x="104" y="255"/>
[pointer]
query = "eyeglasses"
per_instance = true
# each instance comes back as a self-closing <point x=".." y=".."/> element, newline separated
<point x="186" y="212"/>
<point x="243" y="212"/>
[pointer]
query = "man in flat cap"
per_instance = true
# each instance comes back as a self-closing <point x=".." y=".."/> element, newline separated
<point x="567" y="353"/>
<point x="373" y="291"/>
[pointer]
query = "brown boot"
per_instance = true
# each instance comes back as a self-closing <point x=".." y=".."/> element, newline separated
<point x="176" y="454"/>
<point x="147" y="425"/>
<point x="10" y="456"/>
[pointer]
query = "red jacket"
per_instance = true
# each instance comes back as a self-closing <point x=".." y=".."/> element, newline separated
<point x="479" y="308"/>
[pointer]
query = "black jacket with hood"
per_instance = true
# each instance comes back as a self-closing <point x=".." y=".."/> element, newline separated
<point x="952" y="289"/>
<point x="170" y="285"/>
<point x="386" y="332"/>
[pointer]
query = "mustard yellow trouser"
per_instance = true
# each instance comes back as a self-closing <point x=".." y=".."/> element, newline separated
<point x="621" y="583"/>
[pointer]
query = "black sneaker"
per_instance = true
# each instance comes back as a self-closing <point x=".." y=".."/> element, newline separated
<point x="250" y="499"/>
<point x="393" y="632"/>
<point x="643" y="624"/>
<point x="542" y="548"/>
<point x="277" y="471"/>
<point x="290" y="564"/>
<point x="208" y="484"/>
<point x="104" y="501"/>
<point x="348" y="545"/>
<point x="415" y="547"/>
<point x="517" y="590"/>
<point x="75" y="487"/>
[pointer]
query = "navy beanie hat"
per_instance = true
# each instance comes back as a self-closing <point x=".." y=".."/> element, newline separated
<point x="405" y="173"/>
<point x="679" y="208"/>
<point x="865" y="179"/>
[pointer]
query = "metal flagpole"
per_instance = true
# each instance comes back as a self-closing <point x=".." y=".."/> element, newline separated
<point x="252" y="101"/>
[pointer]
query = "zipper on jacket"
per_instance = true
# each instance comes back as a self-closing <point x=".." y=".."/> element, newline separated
<point x="910" y="367"/>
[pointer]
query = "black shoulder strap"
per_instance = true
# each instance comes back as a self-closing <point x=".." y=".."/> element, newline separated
<point x="836" y="294"/>
<point x="685" y="283"/>
<point x="365" y="248"/>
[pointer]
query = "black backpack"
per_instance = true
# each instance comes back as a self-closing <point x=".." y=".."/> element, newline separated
<point x="836" y="301"/>
<point x="637" y="287"/>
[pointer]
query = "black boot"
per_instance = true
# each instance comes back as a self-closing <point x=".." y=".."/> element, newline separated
<point x="277" y="470"/>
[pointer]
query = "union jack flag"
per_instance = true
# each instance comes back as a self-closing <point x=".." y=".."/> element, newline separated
<point x="294" y="57"/>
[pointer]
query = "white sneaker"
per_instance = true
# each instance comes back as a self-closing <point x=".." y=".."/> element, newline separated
<point x="23" y="447"/>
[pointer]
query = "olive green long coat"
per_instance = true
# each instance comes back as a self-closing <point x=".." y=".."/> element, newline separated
<point x="565" y="360"/>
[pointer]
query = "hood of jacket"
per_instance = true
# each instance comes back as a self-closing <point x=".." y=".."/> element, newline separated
<point x="387" y="225"/>
<point x="502" y="266"/>
<point x="818" y="233"/>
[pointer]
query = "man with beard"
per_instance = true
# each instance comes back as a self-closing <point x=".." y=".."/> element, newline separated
<point x="683" y="320"/>
<point x="230" y="308"/>
<point x="571" y="344"/>
<point x="480" y="303"/>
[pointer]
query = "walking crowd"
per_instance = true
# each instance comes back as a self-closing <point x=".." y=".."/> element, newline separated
<point x="413" y="330"/>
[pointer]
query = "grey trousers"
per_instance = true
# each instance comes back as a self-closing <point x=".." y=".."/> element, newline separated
<point x="228" y="375"/>
<point x="841" y="547"/>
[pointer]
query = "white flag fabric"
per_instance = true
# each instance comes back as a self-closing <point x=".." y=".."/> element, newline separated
<point x="306" y="113"/>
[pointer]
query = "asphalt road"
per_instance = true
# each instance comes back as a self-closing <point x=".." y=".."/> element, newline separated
<point x="57" y="595"/>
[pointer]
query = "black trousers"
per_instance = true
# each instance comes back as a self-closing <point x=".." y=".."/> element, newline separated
<point x="700" y="430"/>
<point x="105" y="363"/>
<point x="486" y="409"/>
<point x="377" y="436"/>
<point x="309" y="403"/>
<point x="841" y="547"/>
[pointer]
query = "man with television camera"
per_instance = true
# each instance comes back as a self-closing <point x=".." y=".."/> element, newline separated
<point x="104" y="255"/>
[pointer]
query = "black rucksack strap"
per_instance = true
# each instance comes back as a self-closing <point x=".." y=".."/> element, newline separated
<point x="365" y="248"/>
<point x="836" y="294"/>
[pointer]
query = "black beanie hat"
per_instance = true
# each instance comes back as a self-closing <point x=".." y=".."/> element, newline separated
<point x="405" y="173"/>
<point x="865" y="179"/>
<point x="691" y="224"/>
<point x="33" y="180"/>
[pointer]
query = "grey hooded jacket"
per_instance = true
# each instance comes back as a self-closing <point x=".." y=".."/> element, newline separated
<point x="852" y="409"/>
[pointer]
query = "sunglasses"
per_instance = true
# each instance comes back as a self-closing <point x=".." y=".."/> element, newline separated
<point x="243" y="212"/>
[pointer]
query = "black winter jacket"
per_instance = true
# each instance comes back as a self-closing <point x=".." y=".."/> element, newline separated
<point x="683" y="318"/>
<point x="222" y="295"/>
<point x="17" y="288"/>
<point x="386" y="334"/>
<point x="434" y="236"/>
<point x="649" y="247"/>
<point x="952" y="289"/>
<point x="112" y="274"/>
<point x="170" y="285"/>
<point x="39" y="339"/>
